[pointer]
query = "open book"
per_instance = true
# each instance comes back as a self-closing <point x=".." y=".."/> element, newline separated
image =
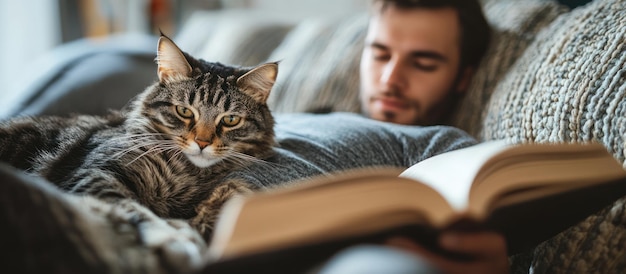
<point x="528" y="192"/>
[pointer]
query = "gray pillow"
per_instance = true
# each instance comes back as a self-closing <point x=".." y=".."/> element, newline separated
<point x="515" y="25"/>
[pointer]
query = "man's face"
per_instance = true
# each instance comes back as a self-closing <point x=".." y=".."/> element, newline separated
<point x="410" y="64"/>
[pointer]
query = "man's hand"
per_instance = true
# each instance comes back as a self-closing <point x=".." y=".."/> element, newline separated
<point x="489" y="249"/>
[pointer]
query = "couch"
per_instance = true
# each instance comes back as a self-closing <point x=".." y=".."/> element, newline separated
<point x="552" y="74"/>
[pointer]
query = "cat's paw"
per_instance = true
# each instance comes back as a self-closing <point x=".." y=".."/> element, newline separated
<point x="175" y="242"/>
<point x="209" y="209"/>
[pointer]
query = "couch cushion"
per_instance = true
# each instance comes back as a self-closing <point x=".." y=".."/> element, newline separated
<point x="234" y="37"/>
<point x="570" y="85"/>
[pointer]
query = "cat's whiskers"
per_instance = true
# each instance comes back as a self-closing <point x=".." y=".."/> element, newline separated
<point x="136" y="146"/>
<point x="244" y="160"/>
<point x="139" y="141"/>
<point x="157" y="148"/>
<point x="176" y="156"/>
<point x="135" y="138"/>
<point x="135" y="143"/>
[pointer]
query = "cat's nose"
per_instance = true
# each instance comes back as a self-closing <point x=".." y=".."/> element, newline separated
<point x="202" y="143"/>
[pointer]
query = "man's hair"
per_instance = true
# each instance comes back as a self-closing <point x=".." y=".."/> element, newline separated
<point x="475" y="31"/>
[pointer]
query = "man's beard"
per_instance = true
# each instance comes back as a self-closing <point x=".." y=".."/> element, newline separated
<point x="389" y="116"/>
<point x="397" y="95"/>
<point x="436" y="115"/>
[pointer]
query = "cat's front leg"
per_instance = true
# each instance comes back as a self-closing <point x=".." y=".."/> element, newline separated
<point x="176" y="243"/>
<point x="209" y="209"/>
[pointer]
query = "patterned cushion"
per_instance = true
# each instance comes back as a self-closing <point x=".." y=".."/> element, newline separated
<point x="319" y="64"/>
<point x="570" y="85"/>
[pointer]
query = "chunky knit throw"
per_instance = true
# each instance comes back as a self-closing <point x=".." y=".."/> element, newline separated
<point x="570" y="85"/>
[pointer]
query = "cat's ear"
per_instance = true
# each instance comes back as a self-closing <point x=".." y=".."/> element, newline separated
<point x="173" y="65"/>
<point x="259" y="81"/>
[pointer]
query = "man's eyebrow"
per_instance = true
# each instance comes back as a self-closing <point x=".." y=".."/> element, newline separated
<point x="429" y="54"/>
<point x="378" y="46"/>
<point x="415" y="54"/>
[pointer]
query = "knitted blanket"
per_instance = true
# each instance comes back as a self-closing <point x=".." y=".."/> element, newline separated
<point x="570" y="85"/>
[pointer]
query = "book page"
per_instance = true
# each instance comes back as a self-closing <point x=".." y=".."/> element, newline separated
<point x="453" y="173"/>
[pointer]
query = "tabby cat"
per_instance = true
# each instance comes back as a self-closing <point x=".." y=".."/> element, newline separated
<point x="168" y="149"/>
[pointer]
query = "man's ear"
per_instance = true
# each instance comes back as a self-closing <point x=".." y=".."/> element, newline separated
<point x="259" y="81"/>
<point x="173" y="65"/>
<point x="465" y="78"/>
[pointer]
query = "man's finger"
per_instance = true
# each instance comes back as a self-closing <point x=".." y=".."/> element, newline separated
<point x="478" y="243"/>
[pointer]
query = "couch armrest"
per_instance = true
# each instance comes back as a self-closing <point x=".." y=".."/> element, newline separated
<point x="86" y="76"/>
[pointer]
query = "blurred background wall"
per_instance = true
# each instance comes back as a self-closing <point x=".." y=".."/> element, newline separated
<point x="30" y="28"/>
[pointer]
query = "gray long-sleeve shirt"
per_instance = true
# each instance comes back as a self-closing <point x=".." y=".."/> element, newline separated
<point x="314" y="144"/>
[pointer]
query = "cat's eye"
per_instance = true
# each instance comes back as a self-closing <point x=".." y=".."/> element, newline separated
<point x="231" y="120"/>
<point x="184" y="112"/>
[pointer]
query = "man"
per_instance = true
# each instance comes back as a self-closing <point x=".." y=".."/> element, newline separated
<point x="418" y="60"/>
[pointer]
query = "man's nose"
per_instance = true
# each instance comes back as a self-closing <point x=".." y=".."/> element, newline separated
<point x="393" y="74"/>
